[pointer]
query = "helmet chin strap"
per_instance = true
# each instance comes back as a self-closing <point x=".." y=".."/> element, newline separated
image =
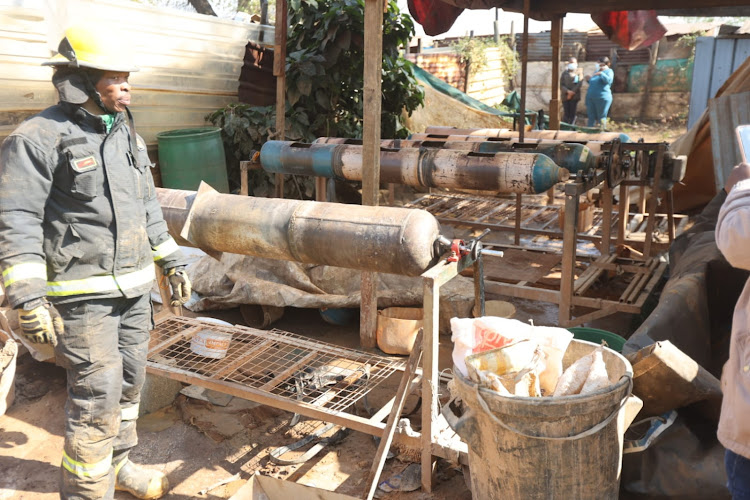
<point x="97" y="98"/>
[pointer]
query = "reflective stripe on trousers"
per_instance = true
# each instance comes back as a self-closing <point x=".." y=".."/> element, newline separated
<point x="104" y="351"/>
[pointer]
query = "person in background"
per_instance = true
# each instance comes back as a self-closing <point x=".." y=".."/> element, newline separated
<point x="80" y="232"/>
<point x="570" y="90"/>
<point x="599" y="95"/>
<point x="733" y="239"/>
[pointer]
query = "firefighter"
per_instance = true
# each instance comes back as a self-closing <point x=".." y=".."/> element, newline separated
<point x="80" y="232"/>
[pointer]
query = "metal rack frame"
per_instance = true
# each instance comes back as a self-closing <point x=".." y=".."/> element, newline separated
<point x="259" y="365"/>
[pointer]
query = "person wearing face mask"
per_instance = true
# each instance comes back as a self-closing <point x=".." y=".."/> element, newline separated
<point x="80" y="232"/>
<point x="570" y="89"/>
<point x="599" y="95"/>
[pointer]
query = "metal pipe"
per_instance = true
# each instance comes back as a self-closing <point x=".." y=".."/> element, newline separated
<point x="594" y="146"/>
<point x="539" y="134"/>
<point x="508" y="172"/>
<point x="383" y="239"/>
<point x="571" y="156"/>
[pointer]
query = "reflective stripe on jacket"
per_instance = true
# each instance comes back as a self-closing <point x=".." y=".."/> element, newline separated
<point x="733" y="239"/>
<point x="78" y="212"/>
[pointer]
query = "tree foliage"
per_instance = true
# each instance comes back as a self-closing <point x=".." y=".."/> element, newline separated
<point x="324" y="77"/>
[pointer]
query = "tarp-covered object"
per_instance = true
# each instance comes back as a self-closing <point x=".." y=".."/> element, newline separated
<point x="630" y="29"/>
<point x="239" y="279"/>
<point x="695" y="307"/>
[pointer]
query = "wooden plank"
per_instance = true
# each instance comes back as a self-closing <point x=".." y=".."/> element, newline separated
<point x="372" y="105"/>
<point x="390" y="426"/>
<point x="279" y="71"/>
<point x="653" y="202"/>
<point x="569" y="258"/>
<point x="556" y="34"/>
<point x="517" y="265"/>
<point x="286" y="373"/>
<point x="430" y="379"/>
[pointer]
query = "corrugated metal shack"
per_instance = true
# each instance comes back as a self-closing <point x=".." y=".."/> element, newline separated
<point x="190" y="63"/>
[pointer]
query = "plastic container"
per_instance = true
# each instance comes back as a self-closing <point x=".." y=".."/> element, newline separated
<point x="211" y="344"/>
<point x="614" y="341"/>
<point x="189" y="156"/>
<point x="339" y="316"/>
<point x="397" y="329"/>
<point x="523" y="448"/>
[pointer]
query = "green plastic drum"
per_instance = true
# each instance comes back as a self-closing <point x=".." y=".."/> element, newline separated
<point x="614" y="341"/>
<point x="189" y="156"/>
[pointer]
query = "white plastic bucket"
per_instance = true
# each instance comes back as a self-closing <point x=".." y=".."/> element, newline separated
<point x="211" y="344"/>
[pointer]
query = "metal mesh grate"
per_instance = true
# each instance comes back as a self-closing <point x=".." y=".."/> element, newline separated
<point x="276" y="362"/>
<point x="478" y="211"/>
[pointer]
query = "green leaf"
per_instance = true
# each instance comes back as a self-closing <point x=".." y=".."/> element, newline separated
<point x="304" y="85"/>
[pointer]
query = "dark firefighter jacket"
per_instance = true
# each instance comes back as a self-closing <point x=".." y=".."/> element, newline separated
<point x="79" y="216"/>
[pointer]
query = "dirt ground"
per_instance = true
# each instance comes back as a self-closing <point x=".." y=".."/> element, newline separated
<point x="208" y="450"/>
<point x="199" y="445"/>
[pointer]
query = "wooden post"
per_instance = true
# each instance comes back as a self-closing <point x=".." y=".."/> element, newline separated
<point x="556" y="37"/>
<point x="524" y="68"/>
<point x="653" y="201"/>
<point x="567" y="278"/>
<point x="653" y="57"/>
<point x="606" y="219"/>
<point x="554" y="103"/>
<point x="623" y="214"/>
<point x="371" y="155"/>
<point x="320" y="188"/>
<point x="279" y="71"/>
<point x="430" y="377"/>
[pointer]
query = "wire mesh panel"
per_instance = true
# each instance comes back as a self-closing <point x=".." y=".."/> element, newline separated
<point x="461" y="209"/>
<point x="276" y="362"/>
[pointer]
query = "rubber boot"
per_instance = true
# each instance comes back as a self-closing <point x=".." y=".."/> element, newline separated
<point x="140" y="482"/>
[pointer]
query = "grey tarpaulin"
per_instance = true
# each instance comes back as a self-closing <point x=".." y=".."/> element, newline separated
<point x="695" y="308"/>
<point x="240" y="279"/>
<point x="694" y="313"/>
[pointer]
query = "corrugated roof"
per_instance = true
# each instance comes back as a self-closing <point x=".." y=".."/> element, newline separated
<point x="599" y="45"/>
<point x="574" y="43"/>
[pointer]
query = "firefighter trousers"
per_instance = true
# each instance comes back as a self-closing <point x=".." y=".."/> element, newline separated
<point x="103" y="350"/>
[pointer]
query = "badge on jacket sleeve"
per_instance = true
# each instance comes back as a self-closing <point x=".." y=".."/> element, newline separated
<point x="141" y="145"/>
<point x="85" y="164"/>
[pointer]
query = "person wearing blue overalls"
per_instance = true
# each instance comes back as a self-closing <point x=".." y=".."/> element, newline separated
<point x="599" y="95"/>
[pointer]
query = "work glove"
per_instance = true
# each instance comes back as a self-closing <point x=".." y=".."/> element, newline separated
<point x="40" y="321"/>
<point x="180" y="283"/>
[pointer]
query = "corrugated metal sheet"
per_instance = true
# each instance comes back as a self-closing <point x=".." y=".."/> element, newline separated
<point x="715" y="60"/>
<point x="599" y="45"/>
<point x="540" y="49"/>
<point x="190" y="63"/>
